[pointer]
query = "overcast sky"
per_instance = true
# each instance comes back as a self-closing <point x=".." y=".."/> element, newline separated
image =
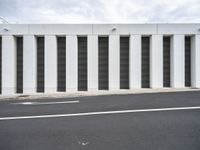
<point x="100" y="11"/>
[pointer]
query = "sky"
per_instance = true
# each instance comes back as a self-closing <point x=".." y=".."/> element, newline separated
<point x="100" y="11"/>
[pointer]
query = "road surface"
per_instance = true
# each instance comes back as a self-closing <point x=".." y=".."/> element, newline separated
<point x="165" y="121"/>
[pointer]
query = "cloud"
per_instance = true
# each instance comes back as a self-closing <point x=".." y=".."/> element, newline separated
<point x="100" y="11"/>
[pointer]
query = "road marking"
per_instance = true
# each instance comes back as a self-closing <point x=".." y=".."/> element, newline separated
<point x="100" y="113"/>
<point x="45" y="103"/>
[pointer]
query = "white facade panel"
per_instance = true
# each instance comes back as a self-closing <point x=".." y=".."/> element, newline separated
<point x="178" y="61"/>
<point x="14" y="29"/>
<point x="156" y="61"/>
<point x="114" y="62"/>
<point x="71" y="63"/>
<point x="92" y="62"/>
<point x="60" y="29"/>
<point x="29" y="64"/>
<point x="135" y="61"/>
<point x="178" y="29"/>
<point x="195" y="61"/>
<point x="98" y="29"/>
<point x="50" y="52"/>
<point x="124" y="29"/>
<point x="8" y="65"/>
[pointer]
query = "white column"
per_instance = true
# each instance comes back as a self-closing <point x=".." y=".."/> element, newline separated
<point x="195" y="61"/>
<point x="50" y="64"/>
<point x="71" y="63"/>
<point x="156" y="61"/>
<point x="29" y="64"/>
<point x="114" y="62"/>
<point x="178" y="61"/>
<point x="8" y="65"/>
<point x="92" y="62"/>
<point x="135" y="61"/>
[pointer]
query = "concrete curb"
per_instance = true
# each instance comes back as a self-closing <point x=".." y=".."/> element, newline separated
<point x="92" y="93"/>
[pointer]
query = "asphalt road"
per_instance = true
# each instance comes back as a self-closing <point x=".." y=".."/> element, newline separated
<point x="145" y="130"/>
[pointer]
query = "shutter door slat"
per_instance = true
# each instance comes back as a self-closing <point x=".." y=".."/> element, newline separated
<point x="103" y="63"/>
<point x="82" y="63"/>
<point x="40" y="64"/>
<point x="187" y="61"/>
<point x="19" y="44"/>
<point x="124" y="62"/>
<point x="61" y="51"/>
<point x="166" y="61"/>
<point x="145" y="62"/>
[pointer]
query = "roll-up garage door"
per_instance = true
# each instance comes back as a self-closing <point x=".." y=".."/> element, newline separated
<point x="103" y="63"/>
<point x="145" y="62"/>
<point x="82" y="63"/>
<point x="19" y="45"/>
<point x="187" y="61"/>
<point x="0" y="64"/>
<point x="124" y="62"/>
<point x="40" y="64"/>
<point x="61" y="54"/>
<point x="166" y="61"/>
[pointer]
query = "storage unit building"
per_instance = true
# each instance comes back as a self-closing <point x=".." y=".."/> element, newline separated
<point x="50" y="58"/>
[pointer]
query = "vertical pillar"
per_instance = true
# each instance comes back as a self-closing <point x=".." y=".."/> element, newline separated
<point x="8" y="65"/>
<point x="178" y="61"/>
<point x="92" y="62"/>
<point x="114" y="62"/>
<point x="135" y="61"/>
<point x="195" y="61"/>
<point x="156" y="61"/>
<point x="50" y="63"/>
<point x="29" y="64"/>
<point x="71" y="63"/>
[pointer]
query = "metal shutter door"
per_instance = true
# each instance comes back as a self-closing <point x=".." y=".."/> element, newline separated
<point x="61" y="51"/>
<point x="19" y="41"/>
<point x="187" y="61"/>
<point x="82" y="63"/>
<point x="0" y="64"/>
<point x="40" y="64"/>
<point x="103" y="63"/>
<point x="124" y="62"/>
<point x="145" y="62"/>
<point x="166" y="61"/>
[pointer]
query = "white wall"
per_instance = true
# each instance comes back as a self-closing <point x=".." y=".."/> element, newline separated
<point x="98" y="29"/>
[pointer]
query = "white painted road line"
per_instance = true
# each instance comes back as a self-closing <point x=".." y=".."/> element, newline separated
<point x="100" y="113"/>
<point x="45" y="103"/>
